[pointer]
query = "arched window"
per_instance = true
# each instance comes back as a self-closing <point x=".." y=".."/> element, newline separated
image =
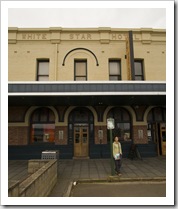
<point x="42" y="125"/>
<point x="156" y="116"/>
<point x="122" y="123"/>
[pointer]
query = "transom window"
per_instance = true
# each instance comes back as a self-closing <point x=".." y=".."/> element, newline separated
<point x="114" y="70"/>
<point x="157" y="114"/>
<point x="42" y="125"/>
<point x="138" y="65"/>
<point x="43" y="70"/>
<point x="80" y="68"/>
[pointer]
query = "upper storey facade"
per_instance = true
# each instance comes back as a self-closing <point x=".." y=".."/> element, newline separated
<point x="92" y="54"/>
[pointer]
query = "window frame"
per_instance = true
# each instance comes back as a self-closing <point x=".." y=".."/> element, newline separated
<point x="122" y="120"/>
<point x="142" y="76"/>
<point x="119" y="77"/>
<point x="44" y="75"/>
<point x="80" y="61"/>
<point x="39" y="112"/>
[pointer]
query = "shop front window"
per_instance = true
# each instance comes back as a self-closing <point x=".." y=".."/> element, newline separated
<point x="42" y="126"/>
<point x="123" y="131"/>
<point x="122" y="124"/>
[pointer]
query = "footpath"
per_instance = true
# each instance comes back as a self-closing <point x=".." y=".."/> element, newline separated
<point x="72" y="172"/>
<point x="95" y="170"/>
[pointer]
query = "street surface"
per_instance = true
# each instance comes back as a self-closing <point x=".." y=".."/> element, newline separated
<point x="121" y="189"/>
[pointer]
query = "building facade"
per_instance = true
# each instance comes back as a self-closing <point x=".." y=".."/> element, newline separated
<point x="65" y="83"/>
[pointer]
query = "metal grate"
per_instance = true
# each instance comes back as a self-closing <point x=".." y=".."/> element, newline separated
<point x="50" y="154"/>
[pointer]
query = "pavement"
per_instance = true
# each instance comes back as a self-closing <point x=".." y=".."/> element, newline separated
<point x="95" y="170"/>
<point x="120" y="189"/>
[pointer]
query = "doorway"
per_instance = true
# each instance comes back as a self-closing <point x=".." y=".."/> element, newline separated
<point x="157" y="128"/>
<point x="81" y="140"/>
<point x="157" y="135"/>
<point x="163" y="138"/>
<point x="81" y="131"/>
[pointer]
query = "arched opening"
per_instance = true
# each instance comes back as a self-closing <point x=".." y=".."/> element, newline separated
<point x="123" y="124"/>
<point x="156" y="128"/>
<point x="42" y="126"/>
<point x="81" y="131"/>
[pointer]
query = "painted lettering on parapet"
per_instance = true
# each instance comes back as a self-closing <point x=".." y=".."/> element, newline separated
<point x="34" y="36"/>
<point x="80" y="36"/>
<point x="122" y="36"/>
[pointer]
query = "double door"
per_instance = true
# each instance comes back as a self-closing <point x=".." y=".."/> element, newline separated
<point x="158" y="135"/>
<point x="80" y="141"/>
<point x="163" y="138"/>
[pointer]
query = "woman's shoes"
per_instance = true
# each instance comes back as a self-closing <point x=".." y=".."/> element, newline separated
<point x="118" y="173"/>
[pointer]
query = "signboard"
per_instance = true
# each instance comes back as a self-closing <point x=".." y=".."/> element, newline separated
<point x="110" y="123"/>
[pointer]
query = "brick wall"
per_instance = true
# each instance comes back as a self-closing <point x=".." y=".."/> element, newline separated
<point x="140" y="134"/>
<point x="17" y="135"/>
<point x="97" y="139"/>
<point x="58" y="134"/>
<point x="17" y="114"/>
<point x="39" y="184"/>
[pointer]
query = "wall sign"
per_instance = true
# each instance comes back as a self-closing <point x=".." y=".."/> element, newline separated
<point x="61" y="135"/>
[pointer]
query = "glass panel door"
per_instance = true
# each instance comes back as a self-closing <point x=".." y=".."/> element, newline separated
<point x="80" y="141"/>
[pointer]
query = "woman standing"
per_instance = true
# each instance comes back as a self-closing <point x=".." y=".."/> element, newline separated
<point x="117" y="154"/>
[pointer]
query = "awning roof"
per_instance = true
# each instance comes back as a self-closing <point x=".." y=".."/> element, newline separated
<point x="87" y="93"/>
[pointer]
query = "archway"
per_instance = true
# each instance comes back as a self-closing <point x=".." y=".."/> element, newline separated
<point x="123" y="123"/>
<point x="81" y="131"/>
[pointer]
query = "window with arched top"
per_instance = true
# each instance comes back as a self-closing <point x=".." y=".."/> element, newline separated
<point x="155" y="117"/>
<point x="122" y="121"/>
<point x="157" y="114"/>
<point x="42" y="125"/>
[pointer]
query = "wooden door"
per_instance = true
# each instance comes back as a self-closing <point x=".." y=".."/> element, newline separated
<point x="81" y="141"/>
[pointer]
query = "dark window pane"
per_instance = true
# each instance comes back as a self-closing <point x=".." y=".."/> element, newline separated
<point x="164" y="113"/>
<point x="126" y="116"/>
<point x="122" y="123"/>
<point x="35" y="117"/>
<point x="51" y="116"/>
<point x="118" y="115"/>
<point x="158" y="114"/>
<point x="150" y="116"/>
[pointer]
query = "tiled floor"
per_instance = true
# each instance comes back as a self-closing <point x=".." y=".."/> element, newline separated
<point x="73" y="170"/>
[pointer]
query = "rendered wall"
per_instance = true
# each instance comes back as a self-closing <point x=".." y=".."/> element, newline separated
<point x="28" y="45"/>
